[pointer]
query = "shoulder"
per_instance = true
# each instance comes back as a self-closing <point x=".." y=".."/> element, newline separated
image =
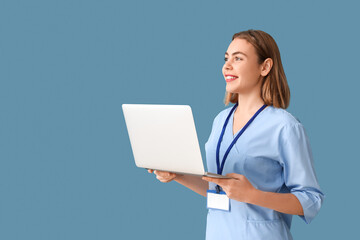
<point x="288" y="127"/>
<point x="281" y="124"/>
<point x="282" y="118"/>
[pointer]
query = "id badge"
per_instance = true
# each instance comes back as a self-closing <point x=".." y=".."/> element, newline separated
<point x="218" y="201"/>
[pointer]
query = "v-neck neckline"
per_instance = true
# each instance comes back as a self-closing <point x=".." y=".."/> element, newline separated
<point x="232" y="123"/>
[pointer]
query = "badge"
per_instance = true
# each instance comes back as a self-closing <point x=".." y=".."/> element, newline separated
<point x="218" y="201"/>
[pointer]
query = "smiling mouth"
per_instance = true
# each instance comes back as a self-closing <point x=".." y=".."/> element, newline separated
<point x="230" y="78"/>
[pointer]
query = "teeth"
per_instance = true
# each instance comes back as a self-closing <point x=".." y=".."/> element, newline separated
<point x="229" y="77"/>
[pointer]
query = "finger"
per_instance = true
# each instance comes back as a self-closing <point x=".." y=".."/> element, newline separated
<point x="150" y="170"/>
<point x="234" y="175"/>
<point x="166" y="174"/>
<point x="214" y="180"/>
<point x="164" y="180"/>
<point x="165" y="177"/>
<point x="158" y="172"/>
<point x="159" y="178"/>
<point x="167" y="180"/>
<point x="162" y="174"/>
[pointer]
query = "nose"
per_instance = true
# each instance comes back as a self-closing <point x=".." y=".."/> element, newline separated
<point x="227" y="65"/>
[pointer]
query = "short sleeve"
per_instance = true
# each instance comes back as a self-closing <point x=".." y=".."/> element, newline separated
<point x="299" y="173"/>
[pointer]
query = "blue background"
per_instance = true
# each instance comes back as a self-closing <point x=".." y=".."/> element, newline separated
<point x="66" y="165"/>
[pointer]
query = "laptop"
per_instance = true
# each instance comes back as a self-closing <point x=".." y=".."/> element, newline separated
<point x="163" y="137"/>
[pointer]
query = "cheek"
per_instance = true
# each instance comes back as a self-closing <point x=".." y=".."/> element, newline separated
<point x="254" y="70"/>
<point x="249" y="74"/>
<point x="246" y="69"/>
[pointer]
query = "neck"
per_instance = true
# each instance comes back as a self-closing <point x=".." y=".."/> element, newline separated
<point x="248" y="103"/>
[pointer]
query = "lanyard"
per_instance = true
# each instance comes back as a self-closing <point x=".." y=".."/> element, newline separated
<point x="221" y="167"/>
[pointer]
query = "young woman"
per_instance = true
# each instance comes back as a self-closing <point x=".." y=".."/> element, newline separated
<point x="262" y="147"/>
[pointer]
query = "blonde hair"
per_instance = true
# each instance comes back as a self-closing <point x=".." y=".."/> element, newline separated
<point x="274" y="88"/>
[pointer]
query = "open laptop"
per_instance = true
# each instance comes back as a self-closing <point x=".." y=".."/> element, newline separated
<point x="163" y="137"/>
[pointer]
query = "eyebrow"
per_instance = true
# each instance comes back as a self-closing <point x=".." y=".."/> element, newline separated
<point x="238" y="52"/>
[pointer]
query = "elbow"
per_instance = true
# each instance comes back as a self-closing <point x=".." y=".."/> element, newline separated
<point x="301" y="211"/>
<point x="298" y="208"/>
<point x="310" y="202"/>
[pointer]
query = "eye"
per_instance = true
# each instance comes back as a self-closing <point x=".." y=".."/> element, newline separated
<point x="236" y="58"/>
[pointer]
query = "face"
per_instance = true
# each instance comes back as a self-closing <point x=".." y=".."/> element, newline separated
<point x="241" y="70"/>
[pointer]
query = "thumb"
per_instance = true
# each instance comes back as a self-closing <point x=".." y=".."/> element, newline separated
<point x="234" y="175"/>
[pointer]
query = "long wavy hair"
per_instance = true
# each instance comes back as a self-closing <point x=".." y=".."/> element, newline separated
<point x="274" y="88"/>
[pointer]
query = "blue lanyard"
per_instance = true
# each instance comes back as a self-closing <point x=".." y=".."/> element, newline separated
<point x="220" y="168"/>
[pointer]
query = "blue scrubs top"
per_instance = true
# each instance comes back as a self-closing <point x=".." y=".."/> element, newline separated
<point x="275" y="156"/>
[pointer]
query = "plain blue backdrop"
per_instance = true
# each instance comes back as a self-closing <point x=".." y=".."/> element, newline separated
<point x="66" y="165"/>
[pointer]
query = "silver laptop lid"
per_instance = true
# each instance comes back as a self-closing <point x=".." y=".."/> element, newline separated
<point x="163" y="137"/>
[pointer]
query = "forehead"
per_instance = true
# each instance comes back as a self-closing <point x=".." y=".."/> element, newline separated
<point x="241" y="45"/>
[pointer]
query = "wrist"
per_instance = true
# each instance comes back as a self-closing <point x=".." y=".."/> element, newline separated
<point x="178" y="177"/>
<point x="253" y="195"/>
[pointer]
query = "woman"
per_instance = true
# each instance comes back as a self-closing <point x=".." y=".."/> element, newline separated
<point x="261" y="146"/>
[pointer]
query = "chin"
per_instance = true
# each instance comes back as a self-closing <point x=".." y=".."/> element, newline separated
<point x="231" y="90"/>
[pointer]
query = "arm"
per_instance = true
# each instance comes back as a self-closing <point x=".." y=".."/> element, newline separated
<point x="305" y="197"/>
<point x="299" y="172"/>
<point x="240" y="189"/>
<point x="194" y="183"/>
<point x="281" y="202"/>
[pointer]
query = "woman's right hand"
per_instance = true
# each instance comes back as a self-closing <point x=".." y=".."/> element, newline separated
<point x="163" y="176"/>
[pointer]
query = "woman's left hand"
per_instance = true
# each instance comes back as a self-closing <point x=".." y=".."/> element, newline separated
<point x="237" y="188"/>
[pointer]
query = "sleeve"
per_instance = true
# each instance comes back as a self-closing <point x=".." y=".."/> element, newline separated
<point x="299" y="173"/>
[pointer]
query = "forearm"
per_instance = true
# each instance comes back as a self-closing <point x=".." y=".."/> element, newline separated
<point x="281" y="202"/>
<point x="194" y="183"/>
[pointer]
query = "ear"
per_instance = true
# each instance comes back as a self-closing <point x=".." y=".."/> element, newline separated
<point x="266" y="67"/>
